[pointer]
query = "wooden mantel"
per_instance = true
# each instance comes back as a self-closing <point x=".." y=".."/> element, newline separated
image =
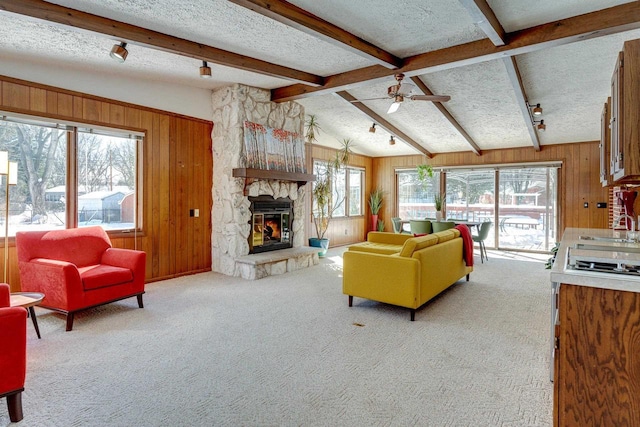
<point x="250" y="173"/>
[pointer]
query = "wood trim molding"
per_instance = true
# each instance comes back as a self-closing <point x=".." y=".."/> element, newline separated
<point x="384" y="124"/>
<point x="521" y="98"/>
<point x="483" y="16"/>
<point x="604" y="22"/>
<point x="298" y="18"/>
<point x="447" y="115"/>
<point x="152" y="39"/>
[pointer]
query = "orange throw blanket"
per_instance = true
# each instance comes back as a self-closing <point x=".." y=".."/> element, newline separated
<point x="467" y="244"/>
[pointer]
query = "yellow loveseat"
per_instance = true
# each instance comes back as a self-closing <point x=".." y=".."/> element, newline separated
<point x="424" y="267"/>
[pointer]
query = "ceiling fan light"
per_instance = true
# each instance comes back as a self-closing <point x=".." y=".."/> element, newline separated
<point x="393" y="107"/>
<point x="537" y="110"/>
<point x="541" y="126"/>
<point x="392" y="141"/>
<point x="372" y="129"/>
<point x="205" y="71"/>
<point x="119" y="52"/>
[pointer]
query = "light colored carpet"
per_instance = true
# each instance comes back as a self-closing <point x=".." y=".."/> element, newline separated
<point x="212" y="350"/>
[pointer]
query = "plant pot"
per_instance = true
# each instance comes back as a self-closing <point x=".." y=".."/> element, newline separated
<point x="374" y="222"/>
<point x="438" y="215"/>
<point x="314" y="242"/>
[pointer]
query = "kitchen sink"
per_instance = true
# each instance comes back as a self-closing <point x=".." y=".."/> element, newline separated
<point x="608" y="248"/>
<point x="607" y="239"/>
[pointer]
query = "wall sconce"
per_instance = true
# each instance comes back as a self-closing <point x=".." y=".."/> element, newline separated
<point x="205" y="71"/>
<point x="119" y="52"/>
<point x="392" y="141"/>
<point x="372" y="129"/>
<point x="541" y="126"/>
<point x="10" y="170"/>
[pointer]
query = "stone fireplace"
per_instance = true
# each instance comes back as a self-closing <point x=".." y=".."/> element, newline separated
<point x="232" y="219"/>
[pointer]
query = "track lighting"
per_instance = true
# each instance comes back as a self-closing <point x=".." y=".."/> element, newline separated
<point x="119" y="52"/>
<point x="372" y="129"/>
<point x="536" y="111"/>
<point x="205" y="71"/>
<point x="541" y="126"/>
<point x="392" y="141"/>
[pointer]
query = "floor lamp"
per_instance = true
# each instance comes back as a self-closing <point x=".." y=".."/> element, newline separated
<point x="10" y="170"/>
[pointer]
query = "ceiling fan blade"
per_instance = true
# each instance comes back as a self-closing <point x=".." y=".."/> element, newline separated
<point x="393" y="107"/>
<point x="369" y="99"/>
<point x="434" y="98"/>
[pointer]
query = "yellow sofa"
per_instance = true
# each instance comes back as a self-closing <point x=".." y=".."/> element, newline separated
<point x="424" y="267"/>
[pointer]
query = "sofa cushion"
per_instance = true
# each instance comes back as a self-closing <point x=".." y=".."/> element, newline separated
<point x="101" y="276"/>
<point x="378" y="248"/>
<point x="446" y="235"/>
<point x="417" y="243"/>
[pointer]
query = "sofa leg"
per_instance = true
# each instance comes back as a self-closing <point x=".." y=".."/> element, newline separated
<point x="140" y="301"/>
<point x="467" y="277"/>
<point x="413" y="315"/>
<point x="350" y="301"/>
<point x="14" y="403"/>
<point x="70" y="321"/>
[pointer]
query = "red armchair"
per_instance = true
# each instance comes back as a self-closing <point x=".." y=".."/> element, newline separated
<point x="13" y="356"/>
<point x="77" y="269"/>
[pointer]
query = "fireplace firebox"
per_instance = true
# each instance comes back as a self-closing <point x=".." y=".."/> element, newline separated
<point x="270" y="224"/>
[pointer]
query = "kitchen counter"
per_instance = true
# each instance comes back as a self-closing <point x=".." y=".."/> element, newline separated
<point x="619" y="251"/>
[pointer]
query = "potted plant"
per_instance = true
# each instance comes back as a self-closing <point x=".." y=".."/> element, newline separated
<point x="322" y="195"/>
<point x="375" y="203"/>
<point x="438" y="200"/>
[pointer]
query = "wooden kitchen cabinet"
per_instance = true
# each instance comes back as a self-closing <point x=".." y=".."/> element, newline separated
<point x="597" y="357"/>
<point x="625" y="115"/>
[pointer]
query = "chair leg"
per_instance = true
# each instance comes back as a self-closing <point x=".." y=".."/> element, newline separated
<point x="70" y="321"/>
<point x="140" y="304"/>
<point x="14" y="404"/>
<point x="484" y="249"/>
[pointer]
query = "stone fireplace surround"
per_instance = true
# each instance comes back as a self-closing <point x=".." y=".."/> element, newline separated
<point x="232" y="106"/>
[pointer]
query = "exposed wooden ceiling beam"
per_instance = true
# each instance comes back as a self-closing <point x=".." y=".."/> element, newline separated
<point x="521" y="98"/>
<point x="613" y="20"/>
<point x="144" y="37"/>
<point x="447" y="115"/>
<point x="483" y="16"/>
<point x="383" y="123"/>
<point x="293" y="16"/>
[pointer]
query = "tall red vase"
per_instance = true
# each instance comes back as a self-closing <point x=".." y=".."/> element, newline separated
<point x="374" y="222"/>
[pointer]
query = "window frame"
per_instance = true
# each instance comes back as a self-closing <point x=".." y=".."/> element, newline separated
<point x="347" y="199"/>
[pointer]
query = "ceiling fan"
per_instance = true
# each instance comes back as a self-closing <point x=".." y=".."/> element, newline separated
<point x="400" y="91"/>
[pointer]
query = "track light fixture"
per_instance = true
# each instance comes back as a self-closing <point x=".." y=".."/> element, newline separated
<point x="541" y="126"/>
<point x="392" y="141"/>
<point x="205" y="71"/>
<point x="535" y="110"/>
<point x="119" y="52"/>
<point x="372" y="129"/>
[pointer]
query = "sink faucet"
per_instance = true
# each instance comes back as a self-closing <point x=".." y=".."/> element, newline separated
<point x="616" y="223"/>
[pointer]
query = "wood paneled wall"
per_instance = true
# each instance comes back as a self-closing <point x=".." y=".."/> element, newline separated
<point x="578" y="177"/>
<point x="177" y="167"/>
<point x="343" y="231"/>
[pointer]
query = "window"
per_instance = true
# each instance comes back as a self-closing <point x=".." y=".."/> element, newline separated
<point x="415" y="198"/>
<point x="48" y="197"/>
<point x="347" y="187"/>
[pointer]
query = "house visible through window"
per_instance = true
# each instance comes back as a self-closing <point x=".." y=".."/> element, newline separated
<point x="100" y="191"/>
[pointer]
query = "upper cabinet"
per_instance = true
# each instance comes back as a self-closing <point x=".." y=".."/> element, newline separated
<point x="625" y="116"/>
<point x="605" y="145"/>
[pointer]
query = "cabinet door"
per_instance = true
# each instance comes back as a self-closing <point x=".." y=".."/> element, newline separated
<point x="598" y="368"/>
<point x="605" y="144"/>
<point x="616" y="126"/>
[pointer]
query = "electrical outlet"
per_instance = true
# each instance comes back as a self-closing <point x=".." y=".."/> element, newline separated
<point x="196" y="213"/>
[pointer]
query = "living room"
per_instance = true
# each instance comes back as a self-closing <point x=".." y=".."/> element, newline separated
<point x="162" y="96"/>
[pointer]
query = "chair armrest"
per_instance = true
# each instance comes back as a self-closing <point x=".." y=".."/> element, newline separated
<point x="125" y="258"/>
<point x="59" y="281"/>
<point x="5" y="295"/>
<point x="13" y="357"/>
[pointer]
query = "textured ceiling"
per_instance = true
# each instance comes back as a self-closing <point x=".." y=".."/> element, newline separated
<point x="571" y="82"/>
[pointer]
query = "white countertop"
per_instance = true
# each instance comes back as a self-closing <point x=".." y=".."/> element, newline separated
<point x="561" y="274"/>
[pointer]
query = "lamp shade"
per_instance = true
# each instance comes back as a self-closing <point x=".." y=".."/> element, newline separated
<point x="119" y="52"/>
